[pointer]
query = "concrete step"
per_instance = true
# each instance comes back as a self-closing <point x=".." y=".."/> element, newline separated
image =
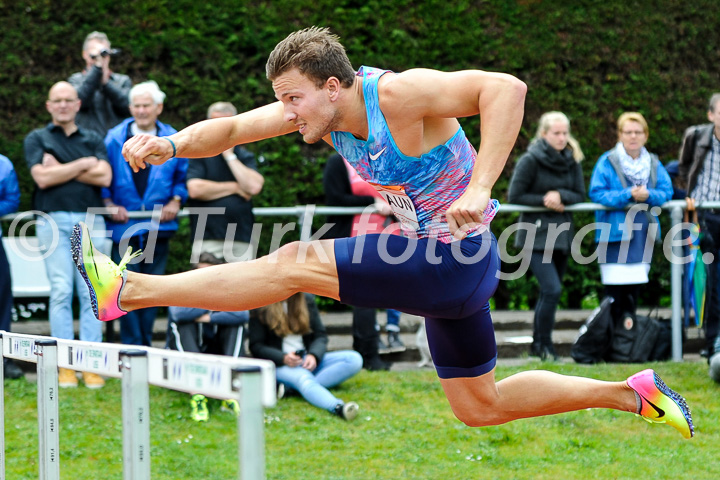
<point x="513" y="332"/>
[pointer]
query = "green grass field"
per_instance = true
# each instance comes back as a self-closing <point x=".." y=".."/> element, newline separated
<point x="405" y="431"/>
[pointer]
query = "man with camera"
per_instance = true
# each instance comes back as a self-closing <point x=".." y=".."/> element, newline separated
<point x="103" y="93"/>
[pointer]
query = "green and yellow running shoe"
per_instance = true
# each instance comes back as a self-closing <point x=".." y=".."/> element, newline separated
<point x="198" y="404"/>
<point x="230" y="405"/>
<point x="661" y="404"/>
<point x="104" y="278"/>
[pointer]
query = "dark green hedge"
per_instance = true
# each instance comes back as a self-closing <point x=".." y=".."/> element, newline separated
<point x="587" y="58"/>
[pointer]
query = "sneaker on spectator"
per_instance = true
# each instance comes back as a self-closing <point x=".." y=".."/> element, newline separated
<point x="382" y="347"/>
<point x="199" y="411"/>
<point x="93" y="380"/>
<point x="67" y="378"/>
<point x="280" y="390"/>
<point x="347" y="411"/>
<point x="12" y="370"/>
<point x="374" y="364"/>
<point x="230" y="405"/>
<point x="394" y="342"/>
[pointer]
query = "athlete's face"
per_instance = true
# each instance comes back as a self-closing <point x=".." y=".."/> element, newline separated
<point x="306" y="106"/>
<point x="557" y="135"/>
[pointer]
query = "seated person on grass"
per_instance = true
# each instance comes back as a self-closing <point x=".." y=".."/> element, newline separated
<point x="205" y="331"/>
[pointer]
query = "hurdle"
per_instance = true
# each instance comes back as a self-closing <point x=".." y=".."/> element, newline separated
<point x="249" y="381"/>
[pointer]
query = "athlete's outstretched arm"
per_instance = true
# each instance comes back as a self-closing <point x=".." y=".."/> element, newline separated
<point x="499" y="100"/>
<point x="209" y="137"/>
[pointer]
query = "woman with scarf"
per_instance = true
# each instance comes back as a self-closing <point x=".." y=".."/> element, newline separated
<point x="548" y="175"/>
<point x="628" y="175"/>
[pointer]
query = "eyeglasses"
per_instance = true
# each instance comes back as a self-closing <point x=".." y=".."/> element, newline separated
<point x="633" y="132"/>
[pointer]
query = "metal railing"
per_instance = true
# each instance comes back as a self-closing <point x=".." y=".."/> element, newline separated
<point x="306" y="213"/>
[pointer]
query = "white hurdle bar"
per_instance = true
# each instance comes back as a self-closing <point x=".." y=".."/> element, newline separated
<point x="249" y="381"/>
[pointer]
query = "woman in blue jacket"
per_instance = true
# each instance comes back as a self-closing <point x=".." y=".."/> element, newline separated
<point x="628" y="175"/>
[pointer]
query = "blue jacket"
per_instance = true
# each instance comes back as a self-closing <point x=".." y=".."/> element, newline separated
<point x="607" y="189"/>
<point x="9" y="188"/>
<point x="165" y="181"/>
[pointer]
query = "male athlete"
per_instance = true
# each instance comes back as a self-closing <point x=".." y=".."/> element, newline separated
<point x="400" y="132"/>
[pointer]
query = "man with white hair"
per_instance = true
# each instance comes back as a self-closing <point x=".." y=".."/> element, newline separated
<point x="162" y="190"/>
<point x="103" y="93"/>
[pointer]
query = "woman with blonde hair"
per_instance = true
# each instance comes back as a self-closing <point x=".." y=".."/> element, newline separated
<point x="548" y="175"/>
<point x="291" y="334"/>
<point x="627" y="174"/>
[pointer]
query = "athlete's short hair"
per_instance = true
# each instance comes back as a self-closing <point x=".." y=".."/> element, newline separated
<point x="316" y="53"/>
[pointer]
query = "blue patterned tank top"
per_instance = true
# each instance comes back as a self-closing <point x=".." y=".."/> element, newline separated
<point x="420" y="190"/>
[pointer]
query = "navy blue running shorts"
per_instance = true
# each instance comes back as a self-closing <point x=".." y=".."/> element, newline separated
<point x="448" y="284"/>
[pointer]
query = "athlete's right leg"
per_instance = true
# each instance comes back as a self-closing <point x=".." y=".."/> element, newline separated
<point x="295" y="267"/>
<point x="241" y="285"/>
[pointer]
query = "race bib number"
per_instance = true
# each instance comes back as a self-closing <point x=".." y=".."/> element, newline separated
<point x="400" y="203"/>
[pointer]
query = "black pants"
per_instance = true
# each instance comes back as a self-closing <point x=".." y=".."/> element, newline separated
<point x="549" y="275"/>
<point x="207" y="338"/>
<point x="711" y="243"/>
<point x="626" y="298"/>
<point x="365" y="333"/>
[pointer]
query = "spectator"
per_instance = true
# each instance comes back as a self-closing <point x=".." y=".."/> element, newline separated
<point x="69" y="166"/>
<point x="628" y="174"/>
<point x="9" y="202"/>
<point x="159" y="187"/>
<point x="339" y="193"/>
<point x="291" y="334"/>
<point x="204" y="331"/>
<point x="699" y="169"/>
<point x="548" y="175"/>
<point x="103" y="93"/>
<point x="229" y="181"/>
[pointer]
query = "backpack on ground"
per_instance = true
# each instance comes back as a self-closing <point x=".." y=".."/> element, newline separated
<point x="595" y="339"/>
<point x="634" y="339"/>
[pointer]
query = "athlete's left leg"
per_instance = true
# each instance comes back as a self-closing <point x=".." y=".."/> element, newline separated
<point x="480" y="401"/>
<point x="464" y="353"/>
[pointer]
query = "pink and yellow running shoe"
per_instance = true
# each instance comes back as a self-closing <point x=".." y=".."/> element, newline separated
<point x="104" y="278"/>
<point x="661" y="404"/>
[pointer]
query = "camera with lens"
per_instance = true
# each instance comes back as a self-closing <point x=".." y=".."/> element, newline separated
<point x="301" y="353"/>
<point x="105" y="52"/>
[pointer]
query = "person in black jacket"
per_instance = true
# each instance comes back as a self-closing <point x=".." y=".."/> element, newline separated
<point x="548" y="175"/>
<point x="699" y="163"/>
<point x="291" y="334"/>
